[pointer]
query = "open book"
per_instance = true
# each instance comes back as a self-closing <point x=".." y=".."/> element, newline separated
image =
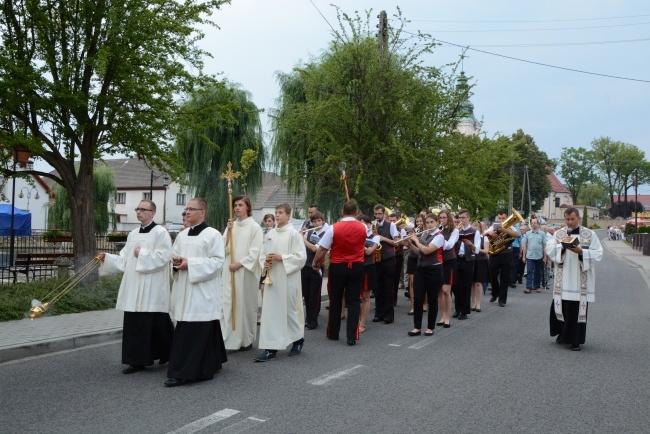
<point x="575" y="240"/>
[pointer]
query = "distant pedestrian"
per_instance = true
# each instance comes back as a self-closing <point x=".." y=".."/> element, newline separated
<point x="534" y="256"/>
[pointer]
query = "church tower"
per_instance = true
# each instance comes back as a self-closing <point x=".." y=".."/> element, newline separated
<point x="467" y="122"/>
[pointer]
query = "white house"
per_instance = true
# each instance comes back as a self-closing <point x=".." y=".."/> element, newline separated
<point x="559" y="196"/>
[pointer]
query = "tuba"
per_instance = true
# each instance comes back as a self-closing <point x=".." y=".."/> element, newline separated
<point x="503" y="240"/>
<point x="404" y="220"/>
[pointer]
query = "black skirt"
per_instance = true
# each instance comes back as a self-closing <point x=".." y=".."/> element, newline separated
<point x="481" y="272"/>
<point x="411" y="264"/>
<point x="570" y="330"/>
<point x="197" y="352"/>
<point x="146" y="336"/>
<point x="449" y="271"/>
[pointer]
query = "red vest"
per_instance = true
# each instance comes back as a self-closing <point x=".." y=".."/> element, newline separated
<point x="348" y="243"/>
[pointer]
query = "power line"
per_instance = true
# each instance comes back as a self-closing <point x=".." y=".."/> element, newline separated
<point x="561" y="44"/>
<point x="528" y="61"/>
<point x="543" y="30"/>
<point x="533" y="21"/>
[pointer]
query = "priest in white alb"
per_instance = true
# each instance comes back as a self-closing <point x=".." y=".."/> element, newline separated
<point x="198" y="256"/>
<point x="244" y="266"/>
<point x="283" y="319"/>
<point x="575" y="250"/>
<point x="144" y="291"/>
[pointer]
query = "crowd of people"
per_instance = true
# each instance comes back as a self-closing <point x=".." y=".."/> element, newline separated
<point x="445" y="261"/>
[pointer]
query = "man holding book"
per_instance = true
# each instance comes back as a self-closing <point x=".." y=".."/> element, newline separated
<point x="575" y="250"/>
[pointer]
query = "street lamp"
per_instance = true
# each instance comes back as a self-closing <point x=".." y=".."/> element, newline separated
<point x="29" y="195"/>
<point x="20" y="157"/>
<point x="164" y="184"/>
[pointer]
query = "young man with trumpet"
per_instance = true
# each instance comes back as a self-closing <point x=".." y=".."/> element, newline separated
<point x="312" y="280"/>
<point x="144" y="291"/>
<point x="388" y="234"/>
<point x="501" y="262"/>
<point x="283" y="257"/>
<point x="243" y="271"/>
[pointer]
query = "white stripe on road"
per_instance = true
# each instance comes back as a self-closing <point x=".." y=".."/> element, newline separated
<point x="423" y="343"/>
<point x="206" y="421"/>
<point x="401" y="342"/>
<point x="243" y="425"/>
<point x="335" y="375"/>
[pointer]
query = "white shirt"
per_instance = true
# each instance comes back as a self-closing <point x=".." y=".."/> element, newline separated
<point x="328" y="238"/>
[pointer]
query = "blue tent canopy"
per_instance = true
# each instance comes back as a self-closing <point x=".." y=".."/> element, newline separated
<point x="22" y="221"/>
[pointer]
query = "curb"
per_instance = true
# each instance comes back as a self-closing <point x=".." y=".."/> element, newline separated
<point x="644" y="273"/>
<point x="37" y="349"/>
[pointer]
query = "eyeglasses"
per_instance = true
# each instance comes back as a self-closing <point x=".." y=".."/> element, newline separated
<point x="193" y="209"/>
<point x="142" y="210"/>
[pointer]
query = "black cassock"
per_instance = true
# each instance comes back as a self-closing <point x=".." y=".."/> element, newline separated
<point x="147" y="336"/>
<point x="198" y="350"/>
<point x="570" y="330"/>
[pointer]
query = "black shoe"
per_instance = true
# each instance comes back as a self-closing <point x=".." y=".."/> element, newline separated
<point x="265" y="356"/>
<point x="520" y="282"/>
<point x="575" y="347"/>
<point x="456" y="314"/>
<point x="174" y="382"/>
<point x="297" y="347"/>
<point x="478" y="310"/>
<point x="428" y="333"/>
<point x="388" y="321"/>
<point x="441" y="323"/>
<point x="410" y="313"/>
<point x="246" y="348"/>
<point x="352" y="342"/>
<point x="513" y="285"/>
<point x="493" y="299"/>
<point x="377" y="319"/>
<point x="474" y="309"/>
<point x="446" y="325"/>
<point x="501" y="304"/>
<point x="412" y="333"/>
<point x="462" y="316"/>
<point x="559" y="339"/>
<point x="407" y="294"/>
<point x="133" y="369"/>
<point x="312" y="326"/>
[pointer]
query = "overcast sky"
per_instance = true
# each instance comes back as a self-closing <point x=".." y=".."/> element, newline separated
<point x="558" y="108"/>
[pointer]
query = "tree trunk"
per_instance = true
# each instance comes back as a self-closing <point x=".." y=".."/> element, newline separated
<point x="83" y="221"/>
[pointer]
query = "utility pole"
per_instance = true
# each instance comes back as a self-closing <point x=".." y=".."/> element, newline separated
<point x="636" y="200"/>
<point x="511" y="199"/>
<point x="382" y="34"/>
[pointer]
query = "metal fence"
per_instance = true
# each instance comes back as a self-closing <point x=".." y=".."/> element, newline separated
<point x="35" y="243"/>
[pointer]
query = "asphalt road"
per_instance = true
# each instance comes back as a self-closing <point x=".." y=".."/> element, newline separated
<point x="499" y="371"/>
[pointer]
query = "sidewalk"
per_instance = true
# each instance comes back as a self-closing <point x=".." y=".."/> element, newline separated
<point x="632" y="256"/>
<point x="26" y="338"/>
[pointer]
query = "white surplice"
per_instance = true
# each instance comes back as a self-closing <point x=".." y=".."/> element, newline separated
<point x="592" y="253"/>
<point x="283" y="319"/>
<point x="196" y="292"/>
<point x="145" y="285"/>
<point x="248" y="243"/>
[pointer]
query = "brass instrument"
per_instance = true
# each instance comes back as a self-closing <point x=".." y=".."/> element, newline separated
<point x="434" y="211"/>
<point x="40" y="308"/>
<point x="404" y="220"/>
<point x="502" y="240"/>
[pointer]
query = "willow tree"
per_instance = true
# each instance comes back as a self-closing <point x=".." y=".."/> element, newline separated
<point x="60" y="214"/>
<point x="381" y="111"/>
<point x="83" y="78"/>
<point x="206" y="143"/>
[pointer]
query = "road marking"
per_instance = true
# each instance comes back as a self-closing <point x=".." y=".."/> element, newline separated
<point x="56" y="353"/>
<point x="335" y="375"/>
<point x="423" y="343"/>
<point x="243" y="425"/>
<point x="206" y="421"/>
<point x="401" y="342"/>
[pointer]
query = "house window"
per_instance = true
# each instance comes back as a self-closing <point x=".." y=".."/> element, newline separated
<point x="146" y="196"/>
<point x="180" y="199"/>
<point x="557" y="202"/>
<point x="121" y="198"/>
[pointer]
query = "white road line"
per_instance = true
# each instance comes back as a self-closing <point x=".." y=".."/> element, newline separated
<point x="243" y="425"/>
<point x="335" y="375"/>
<point x="206" y="421"/>
<point x="401" y="342"/>
<point x="423" y="343"/>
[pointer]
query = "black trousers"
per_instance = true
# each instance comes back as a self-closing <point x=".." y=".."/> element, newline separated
<point x="146" y="336"/>
<point x="516" y="265"/>
<point x="462" y="286"/>
<point x="343" y="278"/>
<point x="399" y="268"/>
<point x="500" y="266"/>
<point x="311" y="289"/>
<point x="384" y="295"/>
<point x="197" y="351"/>
<point x="570" y="330"/>
<point x="427" y="280"/>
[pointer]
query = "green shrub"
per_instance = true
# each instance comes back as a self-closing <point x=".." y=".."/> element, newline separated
<point x="644" y="230"/>
<point x="595" y="226"/>
<point x="15" y="300"/>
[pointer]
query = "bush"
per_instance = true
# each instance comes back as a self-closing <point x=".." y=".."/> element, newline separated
<point x="644" y="230"/>
<point x="595" y="226"/>
<point x="15" y="300"/>
<point x="629" y="229"/>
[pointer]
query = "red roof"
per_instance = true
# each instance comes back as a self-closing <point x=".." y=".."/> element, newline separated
<point x="643" y="198"/>
<point x="556" y="185"/>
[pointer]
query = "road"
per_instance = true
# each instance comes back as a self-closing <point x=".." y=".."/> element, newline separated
<point x="499" y="371"/>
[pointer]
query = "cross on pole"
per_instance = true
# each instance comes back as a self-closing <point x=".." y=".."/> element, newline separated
<point x="230" y="175"/>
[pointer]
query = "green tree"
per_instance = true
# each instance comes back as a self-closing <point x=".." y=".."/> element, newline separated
<point x="526" y="153"/>
<point x="381" y="112"/>
<point x="593" y="195"/>
<point x="207" y="143"/>
<point x="577" y="168"/>
<point x="80" y="79"/>
<point x="60" y="214"/>
<point x="585" y="222"/>
<point x="606" y="152"/>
